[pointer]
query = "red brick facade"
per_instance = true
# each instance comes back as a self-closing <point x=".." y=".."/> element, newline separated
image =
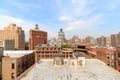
<point x="47" y="52"/>
<point x="106" y="55"/>
<point x="37" y="37"/>
<point x="117" y="58"/>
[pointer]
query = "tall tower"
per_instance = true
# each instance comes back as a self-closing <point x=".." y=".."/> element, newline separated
<point x="13" y="32"/>
<point x="36" y="37"/>
<point x="61" y="36"/>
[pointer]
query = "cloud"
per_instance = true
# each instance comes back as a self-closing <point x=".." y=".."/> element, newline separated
<point x="83" y="26"/>
<point x="80" y="7"/>
<point x="64" y="18"/>
<point x="25" y="24"/>
<point x="74" y="25"/>
<point x="4" y="19"/>
<point x="84" y="23"/>
<point x="74" y="9"/>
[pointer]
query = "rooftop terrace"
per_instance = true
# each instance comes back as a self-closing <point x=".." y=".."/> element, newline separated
<point x="94" y="70"/>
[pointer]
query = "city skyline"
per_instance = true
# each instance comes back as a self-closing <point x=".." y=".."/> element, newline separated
<point x="81" y="17"/>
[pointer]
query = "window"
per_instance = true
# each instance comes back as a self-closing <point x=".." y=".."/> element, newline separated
<point x="19" y="65"/>
<point x="13" y="65"/>
<point x="58" y="48"/>
<point x="112" y="56"/>
<point x="108" y="63"/>
<point x="12" y="75"/>
<point x="108" y="56"/>
<point x="113" y="64"/>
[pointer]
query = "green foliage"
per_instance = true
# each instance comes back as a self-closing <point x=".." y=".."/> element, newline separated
<point x="66" y="46"/>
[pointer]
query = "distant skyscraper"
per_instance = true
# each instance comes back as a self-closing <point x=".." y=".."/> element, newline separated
<point x="103" y="41"/>
<point x="61" y="36"/>
<point x="118" y="38"/>
<point x="37" y="37"/>
<point x="114" y="40"/>
<point x="75" y="40"/>
<point x="89" y="40"/>
<point x="13" y="32"/>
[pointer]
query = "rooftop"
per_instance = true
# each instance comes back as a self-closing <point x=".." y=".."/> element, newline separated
<point x="17" y="53"/>
<point x="48" y="46"/>
<point x="94" y="70"/>
<point x="92" y="52"/>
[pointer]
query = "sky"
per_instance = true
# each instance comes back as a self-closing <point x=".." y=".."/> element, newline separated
<point x="76" y="17"/>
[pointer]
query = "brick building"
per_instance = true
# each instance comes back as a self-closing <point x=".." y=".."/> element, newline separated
<point x="89" y="40"/>
<point x="74" y="41"/>
<point x="114" y="40"/>
<point x="106" y="55"/>
<point x="14" y="63"/>
<point x="45" y="51"/>
<point x="117" y="58"/>
<point x="67" y="52"/>
<point x="37" y="37"/>
<point x="13" y="32"/>
<point x="103" y="41"/>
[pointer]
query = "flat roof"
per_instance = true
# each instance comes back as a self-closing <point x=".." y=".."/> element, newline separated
<point x="17" y="53"/>
<point x="94" y="70"/>
<point x="48" y="46"/>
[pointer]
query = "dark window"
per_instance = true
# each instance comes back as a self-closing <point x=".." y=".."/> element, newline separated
<point x="13" y="65"/>
<point x="19" y="65"/>
<point x="119" y="55"/>
<point x="12" y="75"/>
<point x="108" y="63"/>
<point x="119" y="63"/>
<point x="108" y="56"/>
